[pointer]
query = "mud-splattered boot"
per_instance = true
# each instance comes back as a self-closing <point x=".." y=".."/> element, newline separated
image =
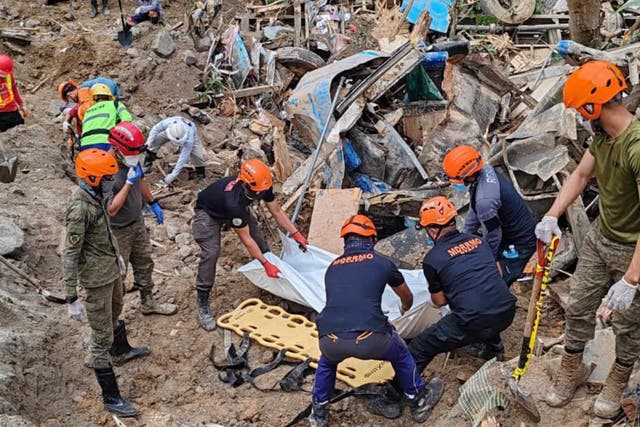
<point x="573" y="373"/>
<point x="422" y="404"/>
<point x="111" y="398"/>
<point x="207" y="321"/>
<point x="121" y="351"/>
<point x="387" y="405"/>
<point x="149" y="306"/>
<point x="607" y="404"/>
<point x="94" y="9"/>
<point x="105" y="8"/>
<point x="319" y="414"/>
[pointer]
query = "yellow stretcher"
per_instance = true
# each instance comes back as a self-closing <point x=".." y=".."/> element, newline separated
<point x="273" y="327"/>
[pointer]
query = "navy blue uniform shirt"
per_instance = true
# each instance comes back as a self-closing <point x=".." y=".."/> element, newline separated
<point x="223" y="200"/>
<point x="499" y="210"/>
<point x="462" y="266"/>
<point x="354" y="285"/>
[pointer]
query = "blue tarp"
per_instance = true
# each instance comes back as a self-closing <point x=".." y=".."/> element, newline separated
<point x="438" y="10"/>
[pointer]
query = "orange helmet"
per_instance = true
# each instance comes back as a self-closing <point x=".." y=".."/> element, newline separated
<point x="66" y="87"/>
<point x="437" y="211"/>
<point x="461" y="162"/>
<point x="592" y="85"/>
<point x="360" y="225"/>
<point x="256" y="175"/>
<point x="92" y="164"/>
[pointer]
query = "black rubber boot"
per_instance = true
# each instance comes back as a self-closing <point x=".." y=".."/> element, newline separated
<point x="387" y="404"/>
<point x="319" y="415"/>
<point x="486" y="352"/>
<point x="94" y="9"/>
<point x="422" y="404"/>
<point x="111" y="398"/>
<point x="207" y="322"/>
<point x="121" y="351"/>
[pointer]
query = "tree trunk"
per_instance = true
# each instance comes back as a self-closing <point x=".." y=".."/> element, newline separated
<point x="584" y="22"/>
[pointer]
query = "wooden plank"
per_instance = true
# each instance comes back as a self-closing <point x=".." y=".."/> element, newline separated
<point x="251" y="91"/>
<point x="330" y="210"/>
<point x="297" y="22"/>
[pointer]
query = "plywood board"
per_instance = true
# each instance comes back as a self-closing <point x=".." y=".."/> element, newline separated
<point x="331" y="209"/>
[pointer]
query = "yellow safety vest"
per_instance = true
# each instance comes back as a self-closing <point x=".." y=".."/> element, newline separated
<point x="6" y="90"/>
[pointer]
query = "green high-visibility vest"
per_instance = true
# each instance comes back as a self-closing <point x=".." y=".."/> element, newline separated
<point x="99" y="120"/>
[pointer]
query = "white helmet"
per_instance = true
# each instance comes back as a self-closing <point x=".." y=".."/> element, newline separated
<point x="177" y="132"/>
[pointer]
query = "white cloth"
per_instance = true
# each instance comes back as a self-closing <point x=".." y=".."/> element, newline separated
<point x="302" y="282"/>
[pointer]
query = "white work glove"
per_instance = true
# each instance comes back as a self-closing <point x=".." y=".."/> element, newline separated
<point x="620" y="296"/>
<point x="547" y="228"/>
<point x="66" y="127"/>
<point x="161" y="184"/>
<point x="76" y="310"/>
<point x="444" y="310"/>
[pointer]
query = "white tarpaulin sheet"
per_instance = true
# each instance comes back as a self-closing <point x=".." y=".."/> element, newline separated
<point x="302" y="282"/>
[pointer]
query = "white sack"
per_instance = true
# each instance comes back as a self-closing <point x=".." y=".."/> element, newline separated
<point x="302" y="282"/>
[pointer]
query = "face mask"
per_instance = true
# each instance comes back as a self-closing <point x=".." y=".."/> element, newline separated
<point x="459" y="187"/>
<point x="250" y="194"/>
<point x="133" y="161"/>
<point x="106" y="185"/>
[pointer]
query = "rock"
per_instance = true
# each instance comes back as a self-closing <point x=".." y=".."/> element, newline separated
<point x="182" y="239"/>
<point x="133" y="52"/>
<point x="406" y="248"/>
<point x="31" y="23"/>
<point x="11" y="236"/>
<point x="190" y="58"/>
<point x="137" y="111"/>
<point x="601" y="351"/>
<point x="54" y="108"/>
<point x="172" y="231"/>
<point x="185" y="251"/>
<point x="252" y="409"/>
<point x="163" y="45"/>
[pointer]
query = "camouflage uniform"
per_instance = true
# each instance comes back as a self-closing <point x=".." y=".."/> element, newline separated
<point x="602" y="262"/>
<point x="90" y="259"/>
<point x="135" y="248"/>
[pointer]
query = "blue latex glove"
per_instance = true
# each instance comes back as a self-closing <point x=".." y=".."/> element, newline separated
<point x="157" y="211"/>
<point x="134" y="175"/>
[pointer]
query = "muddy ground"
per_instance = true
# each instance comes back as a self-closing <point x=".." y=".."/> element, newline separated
<point x="42" y="378"/>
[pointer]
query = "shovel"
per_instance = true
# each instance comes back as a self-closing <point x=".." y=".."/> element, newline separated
<point x="125" y="37"/>
<point x="8" y="165"/>
<point x="540" y="281"/>
<point x="45" y="293"/>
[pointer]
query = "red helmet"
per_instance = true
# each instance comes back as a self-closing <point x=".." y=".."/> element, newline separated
<point x="437" y="211"/>
<point x="360" y="225"/>
<point x="6" y="64"/>
<point x="127" y="138"/>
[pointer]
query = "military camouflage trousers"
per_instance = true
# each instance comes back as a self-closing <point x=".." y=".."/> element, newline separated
<point x="602" y="262"/>
<point x="103" y="305"/>
<point x="135" y="248"/>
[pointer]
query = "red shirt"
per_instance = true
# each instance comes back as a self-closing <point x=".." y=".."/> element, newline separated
<point x="17" y="101"/>
<point x="73" y="114"/>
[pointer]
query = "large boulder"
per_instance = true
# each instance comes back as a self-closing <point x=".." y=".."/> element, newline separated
<point x="11" y="236"/>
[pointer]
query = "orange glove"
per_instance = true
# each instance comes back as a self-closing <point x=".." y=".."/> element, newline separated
<point x="301" y="240"/>
<point x="271" y="270"/>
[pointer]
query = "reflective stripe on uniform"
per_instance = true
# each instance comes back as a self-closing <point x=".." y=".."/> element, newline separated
<point x="6" y="89"/>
